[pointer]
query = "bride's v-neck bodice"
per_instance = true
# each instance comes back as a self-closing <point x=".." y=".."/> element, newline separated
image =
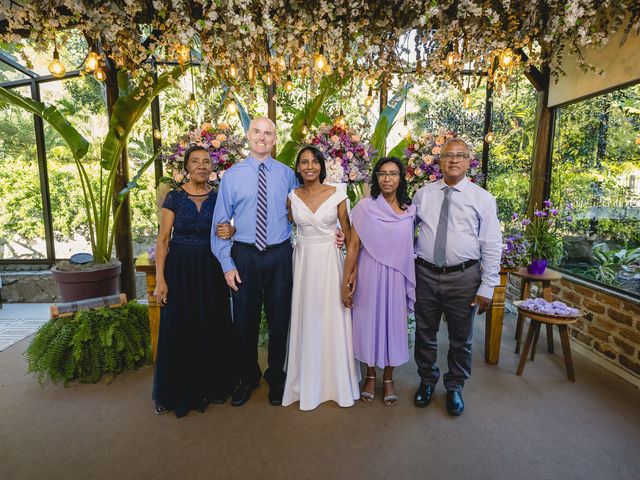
<point x="318" y="226"/>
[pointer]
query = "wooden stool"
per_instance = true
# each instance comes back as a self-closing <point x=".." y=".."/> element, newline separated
<point x="538" y="319"/>
<point x="525" y="289"/>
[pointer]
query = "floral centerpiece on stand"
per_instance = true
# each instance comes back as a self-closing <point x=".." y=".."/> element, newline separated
<point x="422" y="157"/>
<point x="225" y="147"/>
<point x="348" y="158"/>
<point x="540" y="232"/>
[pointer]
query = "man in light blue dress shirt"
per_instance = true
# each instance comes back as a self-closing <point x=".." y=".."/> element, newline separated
<point x="457" y="263"/>
<point x="257" y="265"/>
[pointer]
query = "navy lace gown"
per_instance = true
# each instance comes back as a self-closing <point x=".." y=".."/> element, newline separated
<point x="193" y="365"/>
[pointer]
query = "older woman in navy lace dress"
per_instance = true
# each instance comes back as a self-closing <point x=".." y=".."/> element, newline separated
<point x="193" y="365"/>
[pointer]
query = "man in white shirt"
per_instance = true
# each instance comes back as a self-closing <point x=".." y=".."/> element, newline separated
<point x="458" y="259"/>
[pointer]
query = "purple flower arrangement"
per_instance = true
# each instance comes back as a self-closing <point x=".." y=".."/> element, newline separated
<point x="514" y="252"/>
<point x="422" y="157"/>
<point x="557" y="308"/>
<point x="348" y="158"/>
<point x="540" y="231"/>
<point x="224" y="146"/>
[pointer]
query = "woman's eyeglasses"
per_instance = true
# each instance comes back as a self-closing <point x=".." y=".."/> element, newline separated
<point x="382" y="175"/>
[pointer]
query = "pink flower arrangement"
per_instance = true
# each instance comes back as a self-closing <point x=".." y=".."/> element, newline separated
<point x="225" y="147"/>
<point x="348" y="159"/>
<point x="422" y="157"/>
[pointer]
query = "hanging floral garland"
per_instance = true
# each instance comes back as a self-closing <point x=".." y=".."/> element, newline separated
<point x="348" y="158"/>
<point x="225" y="147"/>
<point x="422" y="158"/>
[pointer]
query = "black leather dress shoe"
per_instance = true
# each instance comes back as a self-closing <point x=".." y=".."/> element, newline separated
<point x="455" y="405"/>
<point x="242" y="394"/>
<point x="423" y="395"/>
<point x="275" y="395"/>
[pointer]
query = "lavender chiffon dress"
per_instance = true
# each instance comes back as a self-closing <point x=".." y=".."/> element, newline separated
<point x="385" y="285"/>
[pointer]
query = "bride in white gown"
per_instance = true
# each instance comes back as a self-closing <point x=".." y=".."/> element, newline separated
<point x="320" y="361"/>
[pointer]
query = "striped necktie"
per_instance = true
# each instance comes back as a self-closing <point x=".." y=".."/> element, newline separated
<point x="261" y="217"/>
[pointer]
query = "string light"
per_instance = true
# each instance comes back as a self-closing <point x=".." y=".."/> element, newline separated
<point x="319" y="61"/>
<point x="157" y="134"/>
<point x="506" y="58"/>
<point x="268" y="79"/>
<point x="192" y="104"/>
<point x="92" y="62"/>
<point x="251" y="74"/>
<point x="489" y="137"/>
<point x="288" y="86"/>
<point x="340" y="120"/>
<point x="233" y="70"/>
<point x="368" y="102"/>
<point x="467" y="99"/>
<point x="56" y="68"/>
<point x="232" y="108"/>
<point x="100" y="75"/>
<point x="451" y="59"/>
<point x="369" y="81"/>
<point x="184" y="54"/>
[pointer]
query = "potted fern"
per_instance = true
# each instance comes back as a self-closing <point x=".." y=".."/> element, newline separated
<point x="100" y="276"/>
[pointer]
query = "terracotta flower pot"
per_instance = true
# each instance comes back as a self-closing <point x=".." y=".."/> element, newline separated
<point x="537" y="266"/>
<point x="98" y="281"/>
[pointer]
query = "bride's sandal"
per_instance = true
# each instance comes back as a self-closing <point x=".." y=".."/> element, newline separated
<point x="367" y="397"/>
<point x="392" y="399"/>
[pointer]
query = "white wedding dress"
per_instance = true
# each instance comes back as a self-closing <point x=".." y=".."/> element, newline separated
<point x="320" y="361"/>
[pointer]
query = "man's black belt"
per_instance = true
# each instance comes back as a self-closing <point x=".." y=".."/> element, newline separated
<point x="268" y="247"/>
<point x="446" y="269"/>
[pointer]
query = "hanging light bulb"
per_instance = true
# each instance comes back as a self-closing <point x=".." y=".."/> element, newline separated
<point x="100" y="75"/>
<point x="368" y="102"/>
<point x="281" y="63"/>
<point x="157" y="134"/>
<point x="251" y="73"/>
<point x="268" y="79"/>
<point x="233" y="70"/>
<point x="56" y="68"/>
<point x="340" y="120"/>
<point x="288" y="86"/>
<point x="305" y="128"/>
<point x="451" y="59"/>
<point x="232" y="108"/>
<point x="319" y="60"/>
<point x="192" y="104"/>
<point x="184" y="54"/>
<point x="370" y="81"/>
<point x="506" y="58"/>
<point x="92" y="62"/>
<point x="466" y="102"/>
<point x="489" y="137"/>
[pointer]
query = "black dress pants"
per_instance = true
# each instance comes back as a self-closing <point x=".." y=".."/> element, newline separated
<point x="266" y="278"/>
<point x="450" y="294"/>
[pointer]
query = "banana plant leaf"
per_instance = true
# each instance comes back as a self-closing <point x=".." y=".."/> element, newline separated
<point x="386" y="121"/>
<point x="398" y="150"/>
<point x="77" y="143"/>
<point x="128" y="109"/>
<point x="245" y="119"/>
<point x="329" y="86"/>
<point x="133" y="184"/>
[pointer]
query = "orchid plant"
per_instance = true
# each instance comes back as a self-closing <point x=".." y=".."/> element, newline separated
<point x="540" y="231"/>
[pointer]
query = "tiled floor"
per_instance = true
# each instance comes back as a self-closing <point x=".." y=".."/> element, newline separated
<point x="19" y="320"/>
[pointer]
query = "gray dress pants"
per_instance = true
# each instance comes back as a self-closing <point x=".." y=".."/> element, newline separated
<point x="450" y="294"/>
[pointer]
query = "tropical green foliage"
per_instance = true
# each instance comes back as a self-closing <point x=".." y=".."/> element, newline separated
<point x="91" y="343"/>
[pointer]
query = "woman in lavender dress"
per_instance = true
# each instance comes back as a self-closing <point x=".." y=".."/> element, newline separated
<point x="381" y="245"/>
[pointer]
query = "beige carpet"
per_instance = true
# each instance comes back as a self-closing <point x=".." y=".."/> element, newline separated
<point x="539" y="426"/>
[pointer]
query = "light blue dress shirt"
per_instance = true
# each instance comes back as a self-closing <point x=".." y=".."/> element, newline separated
<point x="238" y="200"/>
<point x="473" y="228"/>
